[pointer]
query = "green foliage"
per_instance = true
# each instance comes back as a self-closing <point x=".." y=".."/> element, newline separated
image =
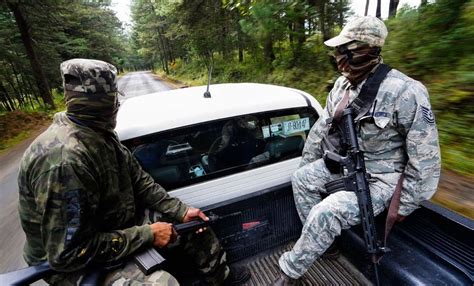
<point x="60" y="30"/>
<point x="281" y="42"/>
<point x="268" y="41"/>
<point x="265" y="20"/>
<point x="432" y="38"/>
<point x="434" y="44"/>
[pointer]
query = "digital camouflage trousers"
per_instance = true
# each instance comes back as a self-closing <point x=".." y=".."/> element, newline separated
<point x="323" y="219"/>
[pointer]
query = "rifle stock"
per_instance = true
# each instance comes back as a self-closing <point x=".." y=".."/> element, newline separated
<point x="151" y="260"/>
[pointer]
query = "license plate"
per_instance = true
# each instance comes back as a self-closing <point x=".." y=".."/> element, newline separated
<point x="297" y="125"/>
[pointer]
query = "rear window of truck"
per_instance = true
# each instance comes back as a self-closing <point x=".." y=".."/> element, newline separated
<point x="205" y="151"/>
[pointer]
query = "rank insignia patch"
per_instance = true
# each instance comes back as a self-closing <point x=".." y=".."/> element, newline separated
<point x="427" y="115"/>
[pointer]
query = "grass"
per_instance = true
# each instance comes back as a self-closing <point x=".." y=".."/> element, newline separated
<point x="18" y="125"/>
<point x="461" y="207"/>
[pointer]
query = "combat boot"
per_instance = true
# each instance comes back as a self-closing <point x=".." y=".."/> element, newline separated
<point x="332" y="252"/>
<point x="238" y="275"/>
<point x="285" y="280"/>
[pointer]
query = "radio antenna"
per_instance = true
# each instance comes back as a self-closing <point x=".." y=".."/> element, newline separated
<point x="207" y="94"/>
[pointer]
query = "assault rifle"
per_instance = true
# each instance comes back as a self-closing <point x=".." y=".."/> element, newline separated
<point x="151" y="260"/>
<point x="148" y="261"/>
<point x="356" y="180"/>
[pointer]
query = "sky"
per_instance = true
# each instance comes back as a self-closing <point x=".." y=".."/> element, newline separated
<point x="358" y="6"/>
<point x="122" y="8"/>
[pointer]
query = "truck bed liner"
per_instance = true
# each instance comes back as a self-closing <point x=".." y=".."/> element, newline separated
<point x="264" y="269"/>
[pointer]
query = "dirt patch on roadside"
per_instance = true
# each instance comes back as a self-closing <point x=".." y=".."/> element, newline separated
<point x="16" y="126"/>
<point x="172" y="82"/>
<point x="455" y="192"/>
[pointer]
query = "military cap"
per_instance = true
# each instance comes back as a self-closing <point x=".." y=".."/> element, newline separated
<point x="89" y="76"/>
<point x="368" y="29"/>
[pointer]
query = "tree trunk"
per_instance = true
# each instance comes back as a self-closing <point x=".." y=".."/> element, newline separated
<point x="366" y="7"/>
<point x="322" y="21"/>
<point x="17" y="81"/>
<point x="170" y="50"/>
<point x="320" y="6"/>
<point x="6" y="98"/>
<point x="378" y="13"/>
<point x="38" y="73"/>
<point x="163" y="56"/>
<point x="299" y="30"/>
<point x="224" y="46"/>
<point x="33" y="91"/>
<point x="392" y="9"/>
<point x="240" y="44"/>
<point x="15" y="92"/>
<point x="268" y="50"/>
<point x="341" y="14"/>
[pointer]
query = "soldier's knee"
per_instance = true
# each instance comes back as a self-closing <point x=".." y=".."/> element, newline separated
<point x="344" y="206"/>
<point x="296" y="180"/>
<point x="320" y="215"/>
<point x="159" y="278"/>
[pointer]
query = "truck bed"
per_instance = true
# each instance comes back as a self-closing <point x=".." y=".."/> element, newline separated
<point x="433" y="246"/>
<point x="264" y="269"/>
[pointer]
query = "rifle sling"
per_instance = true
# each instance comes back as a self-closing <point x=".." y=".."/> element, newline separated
<point x="362" y="103"/>
<point x="392" y="214"/>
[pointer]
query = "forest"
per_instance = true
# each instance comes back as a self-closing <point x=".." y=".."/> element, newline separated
<point x="268" y="41"/>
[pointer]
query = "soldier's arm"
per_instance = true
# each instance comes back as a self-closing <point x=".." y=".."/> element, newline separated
<point x="67" y="196"/>
<point x="312" y="148"/>
<point x="151" y="195"/>
<point x="416" y="122"/>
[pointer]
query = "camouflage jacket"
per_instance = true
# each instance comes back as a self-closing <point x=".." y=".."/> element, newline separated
<point x="402" y="138"/>
<point x="81" y="193"/>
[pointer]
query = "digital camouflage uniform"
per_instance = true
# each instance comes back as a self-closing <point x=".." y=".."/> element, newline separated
<point x="402" y="139"/>
<point x="82" y="193"/>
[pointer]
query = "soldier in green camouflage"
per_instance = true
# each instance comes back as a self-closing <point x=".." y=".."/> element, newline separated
<point x="401" y="139"/>
<point x="83" y="195"/>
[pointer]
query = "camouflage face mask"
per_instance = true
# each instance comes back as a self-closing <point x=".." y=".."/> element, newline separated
<point x="91" y="93"/>
<point x="97" y="111"/>
<point x="355" y="60"/>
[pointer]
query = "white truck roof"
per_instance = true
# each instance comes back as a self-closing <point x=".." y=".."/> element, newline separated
<point x="171" y="109"/>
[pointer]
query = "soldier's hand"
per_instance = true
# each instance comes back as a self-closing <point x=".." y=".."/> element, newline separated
<point x="162" y="233"/>
<point x="400" y="218"/>
<point x="194" y="213"/>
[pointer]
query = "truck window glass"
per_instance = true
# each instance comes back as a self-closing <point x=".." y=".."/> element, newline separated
<point x="204" y="151"/>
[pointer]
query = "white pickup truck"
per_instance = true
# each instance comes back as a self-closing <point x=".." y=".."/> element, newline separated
<point x="237" y="150"/>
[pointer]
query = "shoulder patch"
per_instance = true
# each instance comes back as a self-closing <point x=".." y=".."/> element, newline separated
<point x="427" y="114"/>
<point x="381" y="114"/>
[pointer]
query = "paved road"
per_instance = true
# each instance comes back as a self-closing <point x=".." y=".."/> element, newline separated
<point x="140" y="83"/>
<point x="12" y="237"/>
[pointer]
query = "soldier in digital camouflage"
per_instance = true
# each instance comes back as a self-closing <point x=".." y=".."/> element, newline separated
<point x="83" y="196"/>
<point x="401" y="139"/>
